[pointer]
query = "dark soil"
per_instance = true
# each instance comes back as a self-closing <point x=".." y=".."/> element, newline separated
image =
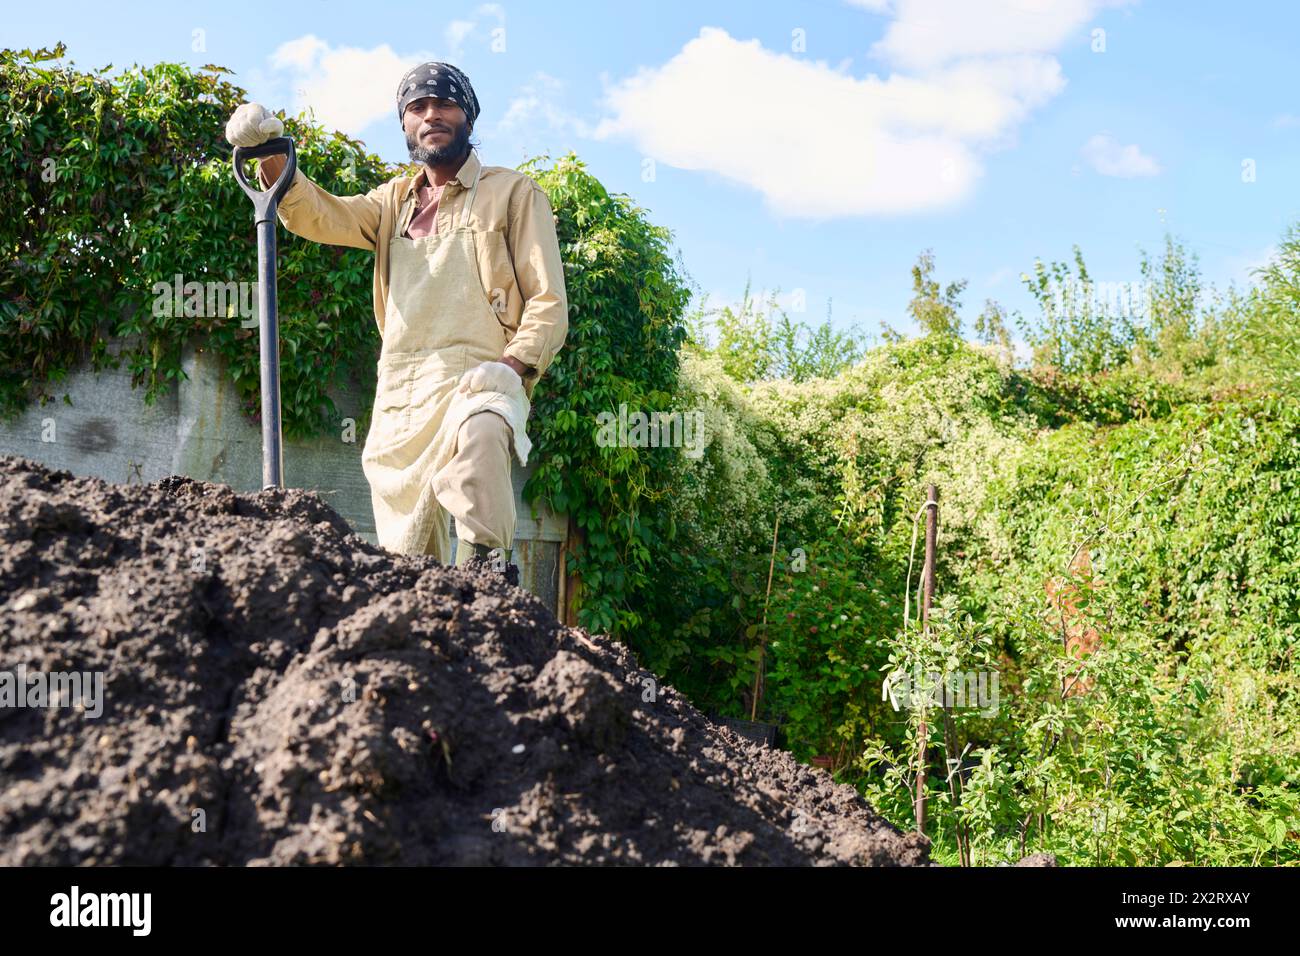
<point x="278" y="691"/>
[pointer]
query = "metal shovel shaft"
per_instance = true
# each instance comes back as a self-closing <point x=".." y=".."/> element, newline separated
<point x="268" y="331"/>
<point x="268" y="324"/>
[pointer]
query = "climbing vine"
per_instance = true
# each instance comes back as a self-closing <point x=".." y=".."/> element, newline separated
<point x="121" y="186"/>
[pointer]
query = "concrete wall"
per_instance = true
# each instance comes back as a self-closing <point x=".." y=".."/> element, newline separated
<point x="197" y="429"/>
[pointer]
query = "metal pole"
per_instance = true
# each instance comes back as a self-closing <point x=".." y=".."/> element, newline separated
<point x="268" y="330"/>
<point x="931" y="533"/>
<point x="268" y="320"/>
<point x="927" y="593"/>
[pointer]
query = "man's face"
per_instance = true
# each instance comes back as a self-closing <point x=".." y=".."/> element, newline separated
<point x="436" y="130"/>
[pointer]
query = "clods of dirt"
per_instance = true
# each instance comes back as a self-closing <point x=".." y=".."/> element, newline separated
<point x="275" y="690"/>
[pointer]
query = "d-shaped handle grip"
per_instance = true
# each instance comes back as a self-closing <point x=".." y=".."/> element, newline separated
<point x="265" y="201"/>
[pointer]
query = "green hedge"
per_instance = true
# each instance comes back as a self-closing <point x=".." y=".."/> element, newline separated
<point x="1188" y="748"/>
<point x="122" y="182"/>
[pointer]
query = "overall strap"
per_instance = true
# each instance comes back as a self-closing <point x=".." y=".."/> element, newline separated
<point x="405" y="213"/>
<point x="469" y="202"/>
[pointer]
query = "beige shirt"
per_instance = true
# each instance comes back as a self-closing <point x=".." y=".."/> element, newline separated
<point x="518" y="252"/>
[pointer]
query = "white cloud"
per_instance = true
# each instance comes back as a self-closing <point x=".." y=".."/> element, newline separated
<point x="351" y="87"/>
<point x="1286" y="121"/>
<point x="537" y="105"/>
<point x="456" y="31"/>
<point x="299" y="54"/>
<point x="348" y="87"/>
<point x="1107" y="157"/>
<point x="927" y="33"/>
<point x="455" y="34"/>
<point x="816" y="142"/>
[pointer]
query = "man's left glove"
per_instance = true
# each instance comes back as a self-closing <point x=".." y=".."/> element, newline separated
<point x="491" y="377"/>
<point x="252" y="124"/>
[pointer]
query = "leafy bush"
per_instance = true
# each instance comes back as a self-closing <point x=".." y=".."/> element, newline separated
<point x="759" y="341"/>
<point x="123" y="182"/>
<point x="626" y="304"/>
<point x="1176" y="479"/>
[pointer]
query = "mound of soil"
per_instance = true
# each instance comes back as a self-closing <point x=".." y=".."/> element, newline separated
<point x="278" y="691"/>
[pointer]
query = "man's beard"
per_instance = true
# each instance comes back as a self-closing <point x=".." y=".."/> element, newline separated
<point x="440" y="155"/>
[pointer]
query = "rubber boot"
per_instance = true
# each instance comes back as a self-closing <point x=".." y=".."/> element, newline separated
<point x="466" y="551"/>
<point x="497" y="558"/>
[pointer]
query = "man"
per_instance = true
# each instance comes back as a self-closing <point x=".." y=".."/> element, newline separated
<point x="470" y="301"/>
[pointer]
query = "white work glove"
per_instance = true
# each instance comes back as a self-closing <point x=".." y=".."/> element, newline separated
<point x="252" y="125"/>
<point x="490" y="377"/>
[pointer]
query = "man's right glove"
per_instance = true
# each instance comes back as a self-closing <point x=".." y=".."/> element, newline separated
<point x="490" y="377"/>
<point x="252" y="125"/>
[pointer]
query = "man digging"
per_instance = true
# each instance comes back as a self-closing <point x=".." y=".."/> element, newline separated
<point x="470" y="301"/>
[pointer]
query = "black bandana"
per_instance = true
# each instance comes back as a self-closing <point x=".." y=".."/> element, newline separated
<point x="437" y="79"/>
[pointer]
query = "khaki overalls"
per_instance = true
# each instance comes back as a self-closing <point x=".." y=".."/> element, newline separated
<point x="431" y="450"/>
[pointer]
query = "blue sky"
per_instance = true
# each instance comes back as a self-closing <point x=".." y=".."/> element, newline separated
<point x="817" y="147"/>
